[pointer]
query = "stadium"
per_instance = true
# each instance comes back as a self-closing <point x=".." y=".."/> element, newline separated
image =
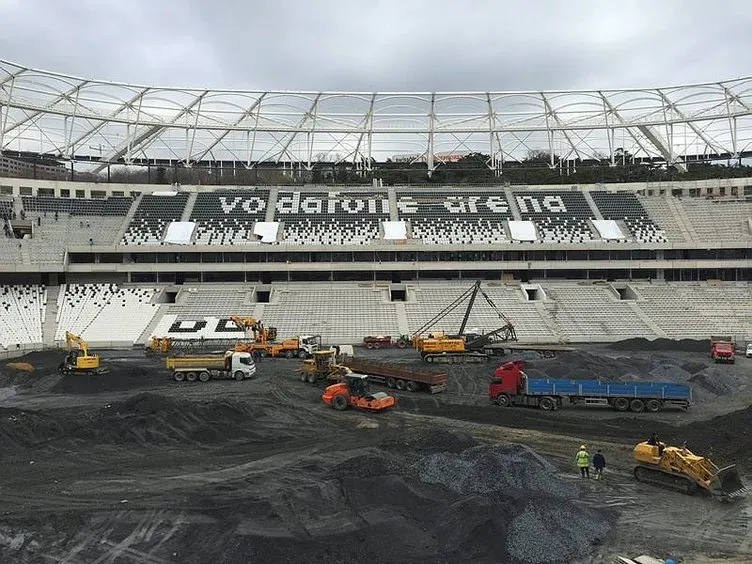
<point x="134" y="212"/>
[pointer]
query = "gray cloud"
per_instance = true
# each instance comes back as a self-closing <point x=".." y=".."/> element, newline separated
<point x="382" y="44"/>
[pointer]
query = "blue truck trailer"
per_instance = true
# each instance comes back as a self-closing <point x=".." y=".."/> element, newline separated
<point x="511" y="386"/>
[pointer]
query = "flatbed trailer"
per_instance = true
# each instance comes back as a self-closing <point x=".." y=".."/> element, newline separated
<point x="399" y="377"/>
<point x="512" y="387"/>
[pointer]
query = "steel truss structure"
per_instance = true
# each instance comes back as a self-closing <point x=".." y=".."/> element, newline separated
<point x="105" y="122"/>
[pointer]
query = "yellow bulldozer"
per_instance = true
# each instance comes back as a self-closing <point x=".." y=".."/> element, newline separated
<point x="322" y="365"/>
<point x="679" y="469"/>
<point x="79" y="360"/>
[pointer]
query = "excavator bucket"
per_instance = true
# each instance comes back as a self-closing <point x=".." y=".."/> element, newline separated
<point x="727" y="483"/>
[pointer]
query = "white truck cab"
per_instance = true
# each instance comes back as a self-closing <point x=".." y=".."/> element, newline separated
<point x="242" y="362"/>
<point x="748" y="354"/>
<point x="309" y="343"/>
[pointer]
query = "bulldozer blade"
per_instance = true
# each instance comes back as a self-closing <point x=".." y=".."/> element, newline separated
<point x="727" y="483"/>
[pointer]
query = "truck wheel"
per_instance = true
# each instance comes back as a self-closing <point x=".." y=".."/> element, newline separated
<point x="302" y="354"/>
<point x="204" y="376"/>
<point x="303" y="377"/>
<point x="621" y="404"/>
<point x="400" y="384"/>
<point x="412" y="386"/>
<point x="377" y="345"/>
<point x="263" y="353"/>
<point x="339" y="402"/>
<point x="637" y="405"/>
<point x="290" y="354"/>
<point x="178" y="376"/>
<point x="503" y="400"/>
<point x="311" y="378"/>
<point x="401" y="344"/>
<point x="239" y="376"/>
<point x="653" y="405"/>
<point x="547" y="404"/>
<point x="191" y="376"/>
<point x="390" y="382"/>
<point x="369" y="345"/>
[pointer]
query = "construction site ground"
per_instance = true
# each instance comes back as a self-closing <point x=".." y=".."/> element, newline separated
<point x="133" y="467"/>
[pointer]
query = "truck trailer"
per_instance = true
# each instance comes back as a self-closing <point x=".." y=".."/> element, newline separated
<point x="512" y="387"/>
<point x="232" y="364"/>
<point x="399" y="377"/>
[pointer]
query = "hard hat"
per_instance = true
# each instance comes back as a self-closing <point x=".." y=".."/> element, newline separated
<point x="583" y="447"/>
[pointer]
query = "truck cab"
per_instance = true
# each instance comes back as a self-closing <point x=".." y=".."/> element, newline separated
<point x="310" y="343"/>
<point x="509" y="380"/>
<point x="241" y="362"/>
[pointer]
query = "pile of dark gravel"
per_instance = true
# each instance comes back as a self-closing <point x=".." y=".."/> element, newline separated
<point x="641" y="344"/>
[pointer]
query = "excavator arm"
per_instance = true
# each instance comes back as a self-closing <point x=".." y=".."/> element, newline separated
<point x="71" y="339"/>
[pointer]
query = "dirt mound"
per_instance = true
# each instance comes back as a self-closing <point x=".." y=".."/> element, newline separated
<point x="151" y="419"/>
<point x="485" y="504"/>
<point x="145" y="419"/>
<point x="20" y="429"/>
<point x="119" y="378"/>
<point x="429" y="441"/>
<point x="726" y="439"/>
<point x="641" y="344"/>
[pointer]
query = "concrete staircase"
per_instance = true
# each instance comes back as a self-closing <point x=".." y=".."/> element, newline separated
<point x="589" y="199"/>
<point x="682" y="220"/>
<point x="49" y="324"/>
<point x="188" y="209"/>
<point x="128" y="218"/>
<point x="146" y="333"/>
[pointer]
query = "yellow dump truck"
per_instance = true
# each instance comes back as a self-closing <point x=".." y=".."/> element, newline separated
<point x="232" y="364"/>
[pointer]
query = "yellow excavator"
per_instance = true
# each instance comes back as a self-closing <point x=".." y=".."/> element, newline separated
<point x="79" y="360"/>
<point x="679" y="469"/>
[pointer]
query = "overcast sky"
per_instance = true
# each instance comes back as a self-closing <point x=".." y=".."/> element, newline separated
<point x="381" y="45"/>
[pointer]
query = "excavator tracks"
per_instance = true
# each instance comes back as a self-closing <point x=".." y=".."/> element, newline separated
<point x="669" y="480"/>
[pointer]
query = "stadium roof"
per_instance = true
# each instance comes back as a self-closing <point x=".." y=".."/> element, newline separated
<point x="52" y="114"/>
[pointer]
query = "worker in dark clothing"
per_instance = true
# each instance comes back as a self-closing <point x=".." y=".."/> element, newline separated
<point x="654" y="441"/>
<point x="599" y="463"/>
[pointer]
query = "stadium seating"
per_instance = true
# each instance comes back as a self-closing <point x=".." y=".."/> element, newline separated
<point x="6" y="209"/>
<point x="584" y="313"/>
<point x="624" y="206"/>
<point x="331" y="218"/>
<point x="432" y="298"/>
<point x="113" y="205"/>
<point x="22" y="313"/>
<point x="697" y="310"/>
<point x="441" y="217"/>
<point x="226" y="217"/>
<point x="338" y="314"/>
<point x="153" y="215"/>
<point x="718" y="220"/>
<point x="225" y="300"/>
<point x="560" y="216"/>
<point x="104" y="312"/>
<point x="663" y="209"/>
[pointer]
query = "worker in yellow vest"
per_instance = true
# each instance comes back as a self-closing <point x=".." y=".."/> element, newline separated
<point x="583" y="461"/>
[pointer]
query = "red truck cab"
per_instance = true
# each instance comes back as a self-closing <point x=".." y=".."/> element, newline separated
<point x="508" y="379"/>
<point x="722" y="349"/>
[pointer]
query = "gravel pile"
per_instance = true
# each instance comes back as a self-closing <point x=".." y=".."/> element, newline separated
<point x="493" y="468"/>
<point x="640" y="344"/>
<point x="545" y="528"/>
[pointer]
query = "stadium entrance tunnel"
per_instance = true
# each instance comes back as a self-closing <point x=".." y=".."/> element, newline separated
<point x="533" y="292"/>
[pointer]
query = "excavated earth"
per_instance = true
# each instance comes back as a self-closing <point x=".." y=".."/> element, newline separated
<point x="132" y="467"/>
